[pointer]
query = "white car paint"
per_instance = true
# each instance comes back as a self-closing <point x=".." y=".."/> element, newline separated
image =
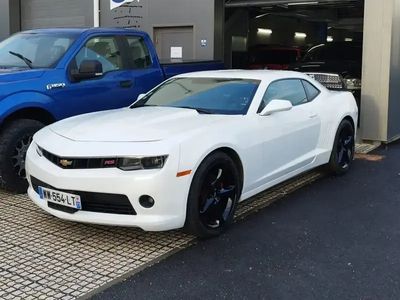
<point x="271" y="148"/>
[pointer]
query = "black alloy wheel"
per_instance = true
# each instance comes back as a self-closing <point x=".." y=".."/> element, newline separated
<point x="343" y="149"/>
<point x="18" y="159"/>
<point x="217" y="196"/>
<point x="213" y="196"/>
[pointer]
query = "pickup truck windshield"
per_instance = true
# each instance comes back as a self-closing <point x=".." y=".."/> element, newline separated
<point x="34" y="50"/>
<point x="206" y="95"/>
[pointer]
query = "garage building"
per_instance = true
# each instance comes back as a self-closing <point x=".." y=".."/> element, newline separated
<point x="228" y="29"/>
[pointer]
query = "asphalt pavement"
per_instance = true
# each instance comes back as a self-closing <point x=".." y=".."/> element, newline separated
<point x="338" y="238"/>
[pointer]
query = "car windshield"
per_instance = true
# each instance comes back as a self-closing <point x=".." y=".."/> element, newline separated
<point x="34" y="50"/>
<point x="347" y="51"/>
<point x="206" y="95"/>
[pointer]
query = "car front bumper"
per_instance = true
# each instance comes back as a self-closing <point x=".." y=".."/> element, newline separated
<point x="169" y="192"/>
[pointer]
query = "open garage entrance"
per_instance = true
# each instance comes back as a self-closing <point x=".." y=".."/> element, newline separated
<point x="322" y="38"/>
<point x="278" y="25"/>
<point x="360" y="38"/>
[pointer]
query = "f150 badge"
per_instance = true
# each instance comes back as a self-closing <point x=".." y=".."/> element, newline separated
<point x="52" y="86"/>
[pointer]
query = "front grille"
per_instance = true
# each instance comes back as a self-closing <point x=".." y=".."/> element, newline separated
<point x="63" y="208"/>
<point x="79" y="163"/>
<point x="330" y="81"/>
<point x="93" y="202"/>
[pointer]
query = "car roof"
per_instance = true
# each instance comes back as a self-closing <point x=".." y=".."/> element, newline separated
<point x="80" y="30"/>
<point x="268" y="75"/>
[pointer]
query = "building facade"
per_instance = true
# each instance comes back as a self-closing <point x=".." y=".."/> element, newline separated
<point x="225" y="29"/>
<point x="194" y="25"/>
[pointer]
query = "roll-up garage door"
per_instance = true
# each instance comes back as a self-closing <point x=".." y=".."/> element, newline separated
<point x="56" y="13"/>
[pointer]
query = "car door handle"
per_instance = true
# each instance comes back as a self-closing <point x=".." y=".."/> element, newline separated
<point x="312" y="116"/>
<point x="126" y="83"/>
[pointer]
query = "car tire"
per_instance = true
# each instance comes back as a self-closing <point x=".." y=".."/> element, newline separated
<point x="342" y="154"/>
<point x="15" y="139"/>
<point x="213" y="196"/>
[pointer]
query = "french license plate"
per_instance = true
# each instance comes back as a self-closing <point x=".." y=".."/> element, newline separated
<point x="60" y="198"/>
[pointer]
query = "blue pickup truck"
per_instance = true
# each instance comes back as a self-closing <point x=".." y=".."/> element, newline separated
<point x="51" y="74"/>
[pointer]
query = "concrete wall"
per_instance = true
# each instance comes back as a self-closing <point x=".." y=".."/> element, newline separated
<point x="236" y="37"/>
<point x="394" y="80"/>
<point x="4" y="19"/>
<point x="9" y="18"/>
<point x="219" y="29"/>
<point x="147" y="14"/>
<point x="377" y="59"/>
<point x="60" y="13"/>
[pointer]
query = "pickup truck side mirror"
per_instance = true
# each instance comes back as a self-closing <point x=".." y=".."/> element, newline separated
<point x="140" y="97"/>
<point x="87" y="70"/>
<point x="275" y="106"/>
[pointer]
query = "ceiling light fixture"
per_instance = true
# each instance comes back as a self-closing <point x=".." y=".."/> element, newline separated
<point x="265" y="31"/>
<point x="300" y="35"/>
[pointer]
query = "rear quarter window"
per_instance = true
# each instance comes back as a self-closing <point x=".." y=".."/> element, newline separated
<point x="311" y="91"/>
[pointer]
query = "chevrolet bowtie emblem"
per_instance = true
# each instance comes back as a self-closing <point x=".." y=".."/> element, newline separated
<point x="65" y="163"/>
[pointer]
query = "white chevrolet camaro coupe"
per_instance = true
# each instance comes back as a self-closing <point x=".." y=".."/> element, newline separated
<point x="187" y="152"/>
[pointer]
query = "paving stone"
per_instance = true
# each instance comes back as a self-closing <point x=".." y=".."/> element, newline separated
<point x="42" y="257"/>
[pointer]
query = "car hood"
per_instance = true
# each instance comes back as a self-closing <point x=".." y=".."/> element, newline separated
<point x="8" y="75"/>
<point x="344" y="68"/>
<point x="144" y="124"/>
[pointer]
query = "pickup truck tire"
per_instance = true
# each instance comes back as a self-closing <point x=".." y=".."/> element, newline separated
<point x="15" y="138"/>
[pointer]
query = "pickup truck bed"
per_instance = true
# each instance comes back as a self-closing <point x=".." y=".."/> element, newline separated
<point x="172" y="68"/>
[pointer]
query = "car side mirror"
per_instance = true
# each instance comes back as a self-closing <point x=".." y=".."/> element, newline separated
<point x="275" y="106"/>
<point x="88" y="69"/>
<point x="140" y="97"/>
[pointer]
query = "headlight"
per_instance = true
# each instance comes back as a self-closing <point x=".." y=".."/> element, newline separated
<point x="142" y="163"/>
<point x="353" y="83"/>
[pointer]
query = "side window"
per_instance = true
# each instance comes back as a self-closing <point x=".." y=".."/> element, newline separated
<point x="103" y="49"/>
<point x="311" y="91"/>
<point x="139" y="53"/>
<point x="287" y="89"/>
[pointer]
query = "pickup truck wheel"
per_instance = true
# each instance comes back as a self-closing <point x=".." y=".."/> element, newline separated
<point x="15" y="139"/>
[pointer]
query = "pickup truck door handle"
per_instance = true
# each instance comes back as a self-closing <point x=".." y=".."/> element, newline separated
<point x="126" y="83"/>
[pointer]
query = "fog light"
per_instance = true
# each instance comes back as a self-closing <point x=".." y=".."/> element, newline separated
<point x="146" y="201"/>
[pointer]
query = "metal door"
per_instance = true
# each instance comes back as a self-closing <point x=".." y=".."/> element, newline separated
<point x="56" y="13"/>
<point x="167" y="37"/>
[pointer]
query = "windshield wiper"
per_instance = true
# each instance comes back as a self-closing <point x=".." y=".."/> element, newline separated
<point x="199" y="110"/>
<point x="26" y="60"/>
<point x="142" y="105"/>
